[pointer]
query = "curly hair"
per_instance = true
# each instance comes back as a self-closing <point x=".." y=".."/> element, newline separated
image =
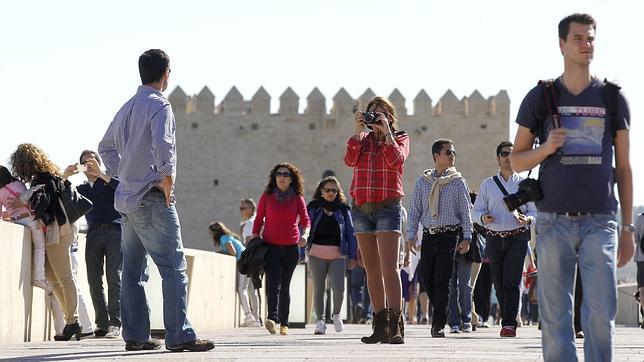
<point x="28" y="160"/>
<point x="217" y="229"/>
<point x="297" y="180"/>
<point x="390" y="110"/>
<point x="339" y="197"/>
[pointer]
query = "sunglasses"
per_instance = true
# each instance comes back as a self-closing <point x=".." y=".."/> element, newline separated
<point x="282" y="174"/>
<point x="334" y="191"/>
<point x="504" y="154"/>
<point x="242" y="208"/>
<point x="450" y="153"/>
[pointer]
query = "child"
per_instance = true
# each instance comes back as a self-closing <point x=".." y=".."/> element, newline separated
<point x="10" y="191"/>
<point x="230" y="244"/>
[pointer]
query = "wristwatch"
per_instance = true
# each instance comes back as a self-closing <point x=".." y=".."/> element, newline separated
<point x="629" y="227"/>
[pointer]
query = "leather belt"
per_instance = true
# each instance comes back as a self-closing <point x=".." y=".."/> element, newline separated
<point x="506" y="234"/>
<point x="449" y="229"/>
<point x="370" y="207"/>
<point x="21" y="216"/>
<point x="574" y="214"/>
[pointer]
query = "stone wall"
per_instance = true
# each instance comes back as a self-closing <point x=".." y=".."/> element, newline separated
<point x="225" y="152"/>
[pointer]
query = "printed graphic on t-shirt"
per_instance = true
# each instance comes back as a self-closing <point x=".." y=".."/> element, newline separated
<point x="585" y="132"/>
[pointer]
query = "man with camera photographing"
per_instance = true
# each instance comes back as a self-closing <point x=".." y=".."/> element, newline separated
<point x="507" y="236"/>
<point x="441" y="204"/>
<point x="576" y="221"/>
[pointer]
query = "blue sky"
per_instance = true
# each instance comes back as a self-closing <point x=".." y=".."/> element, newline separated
<point x="66" y="67"/>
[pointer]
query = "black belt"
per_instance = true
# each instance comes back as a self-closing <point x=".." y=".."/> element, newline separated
<point x="448" y="229"/>
<point x="575" y="214"/>
<point x="506" y="233"/>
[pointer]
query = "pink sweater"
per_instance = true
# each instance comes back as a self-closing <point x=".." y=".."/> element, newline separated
<point x="9" y="191"/>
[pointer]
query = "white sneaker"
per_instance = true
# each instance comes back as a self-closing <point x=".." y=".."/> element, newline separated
<point x="320" y="327"/>
<point x="113" y="332"/>
<point x="455" y="329"/>
<point x="250" y="321"/>
<point x="337" y="323"/>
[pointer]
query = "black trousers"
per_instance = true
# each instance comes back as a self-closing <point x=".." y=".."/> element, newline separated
<point x="507" y="256"/>
<point x="280" y="265"/>
<point x="436" y="263"/>
<point x="482" y="292"/>
<point x="103" y="253"/>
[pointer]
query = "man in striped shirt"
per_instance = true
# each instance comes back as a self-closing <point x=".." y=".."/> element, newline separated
<point x="440" y="204"/>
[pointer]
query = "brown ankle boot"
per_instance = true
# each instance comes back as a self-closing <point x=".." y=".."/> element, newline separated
<point x="396" y="327"/>
<point x="380" y="328"/>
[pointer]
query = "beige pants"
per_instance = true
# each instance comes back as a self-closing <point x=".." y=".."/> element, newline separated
<point x="58" y="270"/>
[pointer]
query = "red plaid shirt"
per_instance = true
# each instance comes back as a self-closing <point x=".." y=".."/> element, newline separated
<point x="377" y="167"/>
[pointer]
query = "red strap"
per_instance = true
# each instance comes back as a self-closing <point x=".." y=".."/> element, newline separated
<point x="11" y="191"/>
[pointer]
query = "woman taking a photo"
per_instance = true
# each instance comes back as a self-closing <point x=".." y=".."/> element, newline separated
<point x="331" y="247"/>
<point x="280" y="211"/>
<point x="31" y="165"/>
<point x="377" y="158"/>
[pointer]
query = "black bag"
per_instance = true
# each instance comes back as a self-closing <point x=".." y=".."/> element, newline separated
<point x="473" y="255"/>
<point x="75" y="204"/>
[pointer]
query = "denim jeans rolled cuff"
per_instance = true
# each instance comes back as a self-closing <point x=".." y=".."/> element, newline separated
<point x="562" y="243"/>
<point x="154" y="230"/>
<point x="280" y="265"/>
<point x="104" y="248"/>
<point x="384" y="219"/>
<point x="507" y="257"/>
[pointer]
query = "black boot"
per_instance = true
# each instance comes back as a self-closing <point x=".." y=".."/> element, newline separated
<point x="69" y="331"/>
<point x="380" y="328"/>
<point x="396" y="327"/>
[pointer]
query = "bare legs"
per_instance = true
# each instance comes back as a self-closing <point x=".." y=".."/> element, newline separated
<point x="380" y="259"/>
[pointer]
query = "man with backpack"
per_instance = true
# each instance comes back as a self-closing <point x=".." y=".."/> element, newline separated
<point x="580" y="122"/>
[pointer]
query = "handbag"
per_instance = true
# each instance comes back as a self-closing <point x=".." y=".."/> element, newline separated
<point x="75" y="204"/>
<point x="473" y="255"/>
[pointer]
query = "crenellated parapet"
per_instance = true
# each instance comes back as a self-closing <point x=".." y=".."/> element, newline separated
<point x="343" y="103"/>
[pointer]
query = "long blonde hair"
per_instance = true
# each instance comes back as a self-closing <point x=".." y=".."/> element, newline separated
<point x="28" y="160"/>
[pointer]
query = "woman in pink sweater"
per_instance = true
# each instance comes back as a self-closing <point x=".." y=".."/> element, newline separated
<point x="281" y="214"/>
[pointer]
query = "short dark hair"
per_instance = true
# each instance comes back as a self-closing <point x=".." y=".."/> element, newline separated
<point x="152" y="65"/>
<point x="437" y="146"/>
<point x="503" y="145"/>
<point x="89" y="152"/>
<point x="564" y="24"/>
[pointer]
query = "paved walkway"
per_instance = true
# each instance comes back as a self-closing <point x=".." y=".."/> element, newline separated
<point x="301" y="344"/>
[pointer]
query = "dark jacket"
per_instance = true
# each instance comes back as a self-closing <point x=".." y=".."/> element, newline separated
<point x="102" y="197"/>
<point x="46" y="206"/>
<point x="252" y="262"/>
<point x="348" y="242"/>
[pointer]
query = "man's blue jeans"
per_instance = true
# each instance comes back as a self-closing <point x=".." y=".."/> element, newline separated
<point x="562" y="242"/>
<point x="460" y="293"/>
<point x="154" y="229"/>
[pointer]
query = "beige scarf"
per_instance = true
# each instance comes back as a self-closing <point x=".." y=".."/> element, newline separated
<point x="437" y="184"/>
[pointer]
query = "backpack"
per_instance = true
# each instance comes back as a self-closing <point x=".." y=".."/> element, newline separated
<point x="549" y="102"/>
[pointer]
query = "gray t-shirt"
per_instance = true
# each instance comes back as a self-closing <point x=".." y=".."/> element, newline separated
<point x="579" y="177"/>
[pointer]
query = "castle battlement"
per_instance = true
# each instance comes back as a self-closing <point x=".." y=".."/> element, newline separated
<point x="227" y="145"/>
<point x="343" y="103"/>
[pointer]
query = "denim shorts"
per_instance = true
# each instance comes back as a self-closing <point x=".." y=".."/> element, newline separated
<point x="387" y="218"/>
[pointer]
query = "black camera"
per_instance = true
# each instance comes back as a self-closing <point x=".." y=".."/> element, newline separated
<point x="370" y="117"/>
<point x="529" y="190"/>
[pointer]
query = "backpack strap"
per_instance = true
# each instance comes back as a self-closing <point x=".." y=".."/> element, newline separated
<point x="549" y="108"/>
<point x="611" y="99"/>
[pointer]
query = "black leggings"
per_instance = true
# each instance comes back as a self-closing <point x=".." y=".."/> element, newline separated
<point x="280" y="265"/>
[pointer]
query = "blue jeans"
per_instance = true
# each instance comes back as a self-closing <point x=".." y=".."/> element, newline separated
<point x="562" y="243"/>
<point x="154" y="229"/>
<point x="460" y="293"/>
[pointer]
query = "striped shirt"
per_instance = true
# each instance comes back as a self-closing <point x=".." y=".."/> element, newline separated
<point x="377" y="167"/>
<point x="453" y="206"/>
